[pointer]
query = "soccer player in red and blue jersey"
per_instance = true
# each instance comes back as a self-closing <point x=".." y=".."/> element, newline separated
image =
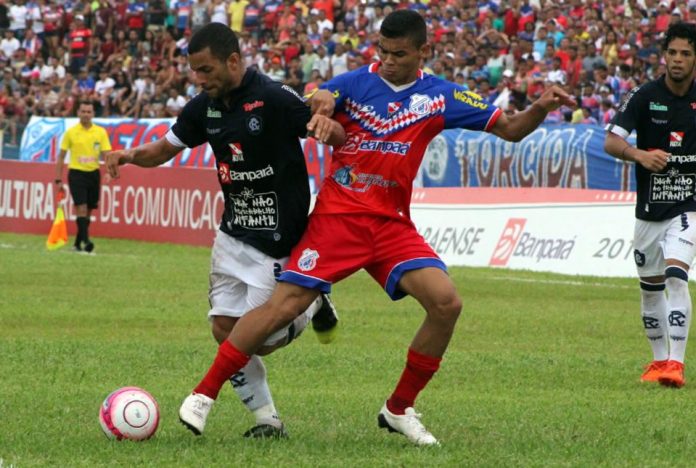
<point x="390" y="111"/>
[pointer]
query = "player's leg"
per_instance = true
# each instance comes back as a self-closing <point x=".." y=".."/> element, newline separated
<point x="436" y="293"/>
<point x="79" y="193"/>
<point x="249" y="334"/>
<point x="408" y="266"/>
<point x="241" y="277"/>
<point x="649" y="259"/>
<point x="93" y="188"/>
<point x="309" y="272"/>
<point x="679" y="252"/>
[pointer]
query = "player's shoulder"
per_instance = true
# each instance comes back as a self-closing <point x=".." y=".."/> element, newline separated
<point x="199" y="106"/>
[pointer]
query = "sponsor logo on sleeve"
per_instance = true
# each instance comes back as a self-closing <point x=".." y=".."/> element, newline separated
<point x="470" y="98"/>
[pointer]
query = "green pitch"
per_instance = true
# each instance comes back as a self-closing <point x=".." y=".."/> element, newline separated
<point x="542" y="371"/>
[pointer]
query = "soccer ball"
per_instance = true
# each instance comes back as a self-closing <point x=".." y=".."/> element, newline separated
<point x="129" y="413"/>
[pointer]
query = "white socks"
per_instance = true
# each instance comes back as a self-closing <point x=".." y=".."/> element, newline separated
<point x="653" y="310"/>
<point x="678" y="311"/>
<point x="251" y="387"/>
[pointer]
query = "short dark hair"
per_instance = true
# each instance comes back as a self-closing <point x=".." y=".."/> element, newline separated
<point x="405" y="23"/>
<point x="85" y="102"/>
<point x="217" y="37"/>
<point x="680" y="30"/>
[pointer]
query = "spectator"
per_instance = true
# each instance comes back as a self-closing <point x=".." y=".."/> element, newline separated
<point x="175" y="103"/>
<point x="18" y="15"/>
<point x="9" y="45"/>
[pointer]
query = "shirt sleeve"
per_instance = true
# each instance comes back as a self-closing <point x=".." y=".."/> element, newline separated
<point x="65" y="143"/>
<point x="189" y="127"/>
<point x="292" y="111"/>
<point x="627" y="116"/>
<point x="105" y="144"/>
<point x="466" y="109"/>
<point x="339" y="86"/>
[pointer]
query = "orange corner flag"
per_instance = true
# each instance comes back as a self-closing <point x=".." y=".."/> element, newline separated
<point x="58" y="236"/>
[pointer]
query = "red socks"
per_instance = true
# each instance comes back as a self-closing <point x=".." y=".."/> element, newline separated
<point x="227" y="362"/>
<point x="418" y="372"/>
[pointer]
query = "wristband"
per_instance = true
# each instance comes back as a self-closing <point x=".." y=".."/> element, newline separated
<point x="58" y="181"/>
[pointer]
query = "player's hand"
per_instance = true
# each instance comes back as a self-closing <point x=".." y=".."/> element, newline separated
<point x="654" y="160"/>
<point x="114" y="159"/>
<point x="554" y="97"/>
<point x="320" y="127"/>
<point x="323" y="103"/>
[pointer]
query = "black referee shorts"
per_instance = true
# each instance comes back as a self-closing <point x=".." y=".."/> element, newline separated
<point x="84" y="187"/>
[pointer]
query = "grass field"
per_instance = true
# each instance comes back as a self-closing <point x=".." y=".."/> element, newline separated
<point x="543" y="370"/>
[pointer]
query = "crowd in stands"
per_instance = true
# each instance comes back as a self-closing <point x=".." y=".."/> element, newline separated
<point x="129" y="56"/>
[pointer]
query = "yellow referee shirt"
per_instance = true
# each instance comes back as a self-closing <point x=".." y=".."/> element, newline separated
<point x="85" y="146"/>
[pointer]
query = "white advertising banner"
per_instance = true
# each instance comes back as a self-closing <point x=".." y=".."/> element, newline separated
<point x="577" y="232"/>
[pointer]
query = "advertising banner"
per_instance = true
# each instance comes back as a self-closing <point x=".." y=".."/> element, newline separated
<point x="572" y="231"/>
<point x="566" y="156"/>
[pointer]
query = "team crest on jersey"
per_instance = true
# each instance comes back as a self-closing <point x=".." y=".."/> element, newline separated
<point x="393" y="108"/>
<point x="237" y="154"/>
<point x="224" y="173"/>
<point x="675" y="139"/>
<point x="420" y="104"/>
<point x="308" y="260"/>
<point x="254" y="124"/>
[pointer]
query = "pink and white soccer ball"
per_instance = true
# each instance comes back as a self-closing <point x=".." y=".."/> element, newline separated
<point x="129" y="413"/>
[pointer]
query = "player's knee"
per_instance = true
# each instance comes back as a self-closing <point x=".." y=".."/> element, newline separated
<point x="676" y="277"/>
<point x="222" y="326"/>
<point x="446" y="309"/>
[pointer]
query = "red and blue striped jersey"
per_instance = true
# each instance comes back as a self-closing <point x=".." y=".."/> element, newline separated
<point x="388" y="129"/>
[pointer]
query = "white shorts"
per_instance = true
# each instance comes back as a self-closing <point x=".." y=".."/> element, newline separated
<point x="654" y="241"/>
<point x="241" y="278"/>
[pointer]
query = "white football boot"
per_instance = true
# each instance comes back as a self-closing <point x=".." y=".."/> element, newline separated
<point x="194" y="412"/>
<point x="407" y="424"/>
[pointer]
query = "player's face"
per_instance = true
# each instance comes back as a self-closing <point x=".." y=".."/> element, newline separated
<point x="85" y="113"/>
<point x="400" y="58"/>
<point x="215" y="76"/>
<point x="680" y="60"/>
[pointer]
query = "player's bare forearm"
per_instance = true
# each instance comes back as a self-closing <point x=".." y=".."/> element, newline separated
<point x="523" y="123"/>
<point x="618" y="147"/>
<point x="654" y="160"/>
<point x="147" y="155"/>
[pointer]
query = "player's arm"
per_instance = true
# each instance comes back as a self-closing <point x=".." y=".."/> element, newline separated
<point x="653" y="160"/>
<point x="321" y="102"/>
<point x="518" y="126"/>
<point x="148" y="155"/>
<point x="59" y="168"/>
<point x="326" y="130"/>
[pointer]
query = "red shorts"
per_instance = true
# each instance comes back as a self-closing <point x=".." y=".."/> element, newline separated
<point x="335" y="246"/>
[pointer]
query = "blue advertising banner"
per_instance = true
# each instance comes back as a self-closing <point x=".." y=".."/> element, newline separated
<point x="564" y="156"/>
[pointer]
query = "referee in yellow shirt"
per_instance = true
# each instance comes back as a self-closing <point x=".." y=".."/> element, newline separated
<point x="86" y="142"/>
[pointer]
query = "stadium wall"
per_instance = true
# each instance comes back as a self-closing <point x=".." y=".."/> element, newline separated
<point x="572" y="231"/>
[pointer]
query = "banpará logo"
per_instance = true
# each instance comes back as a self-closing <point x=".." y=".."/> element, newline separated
<point x="213" y="114"/>
<point x="656" y="106"/>
<point x="472" y="99"/>
<point x="393" y="147"/>
<point x="252" y="175"/>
